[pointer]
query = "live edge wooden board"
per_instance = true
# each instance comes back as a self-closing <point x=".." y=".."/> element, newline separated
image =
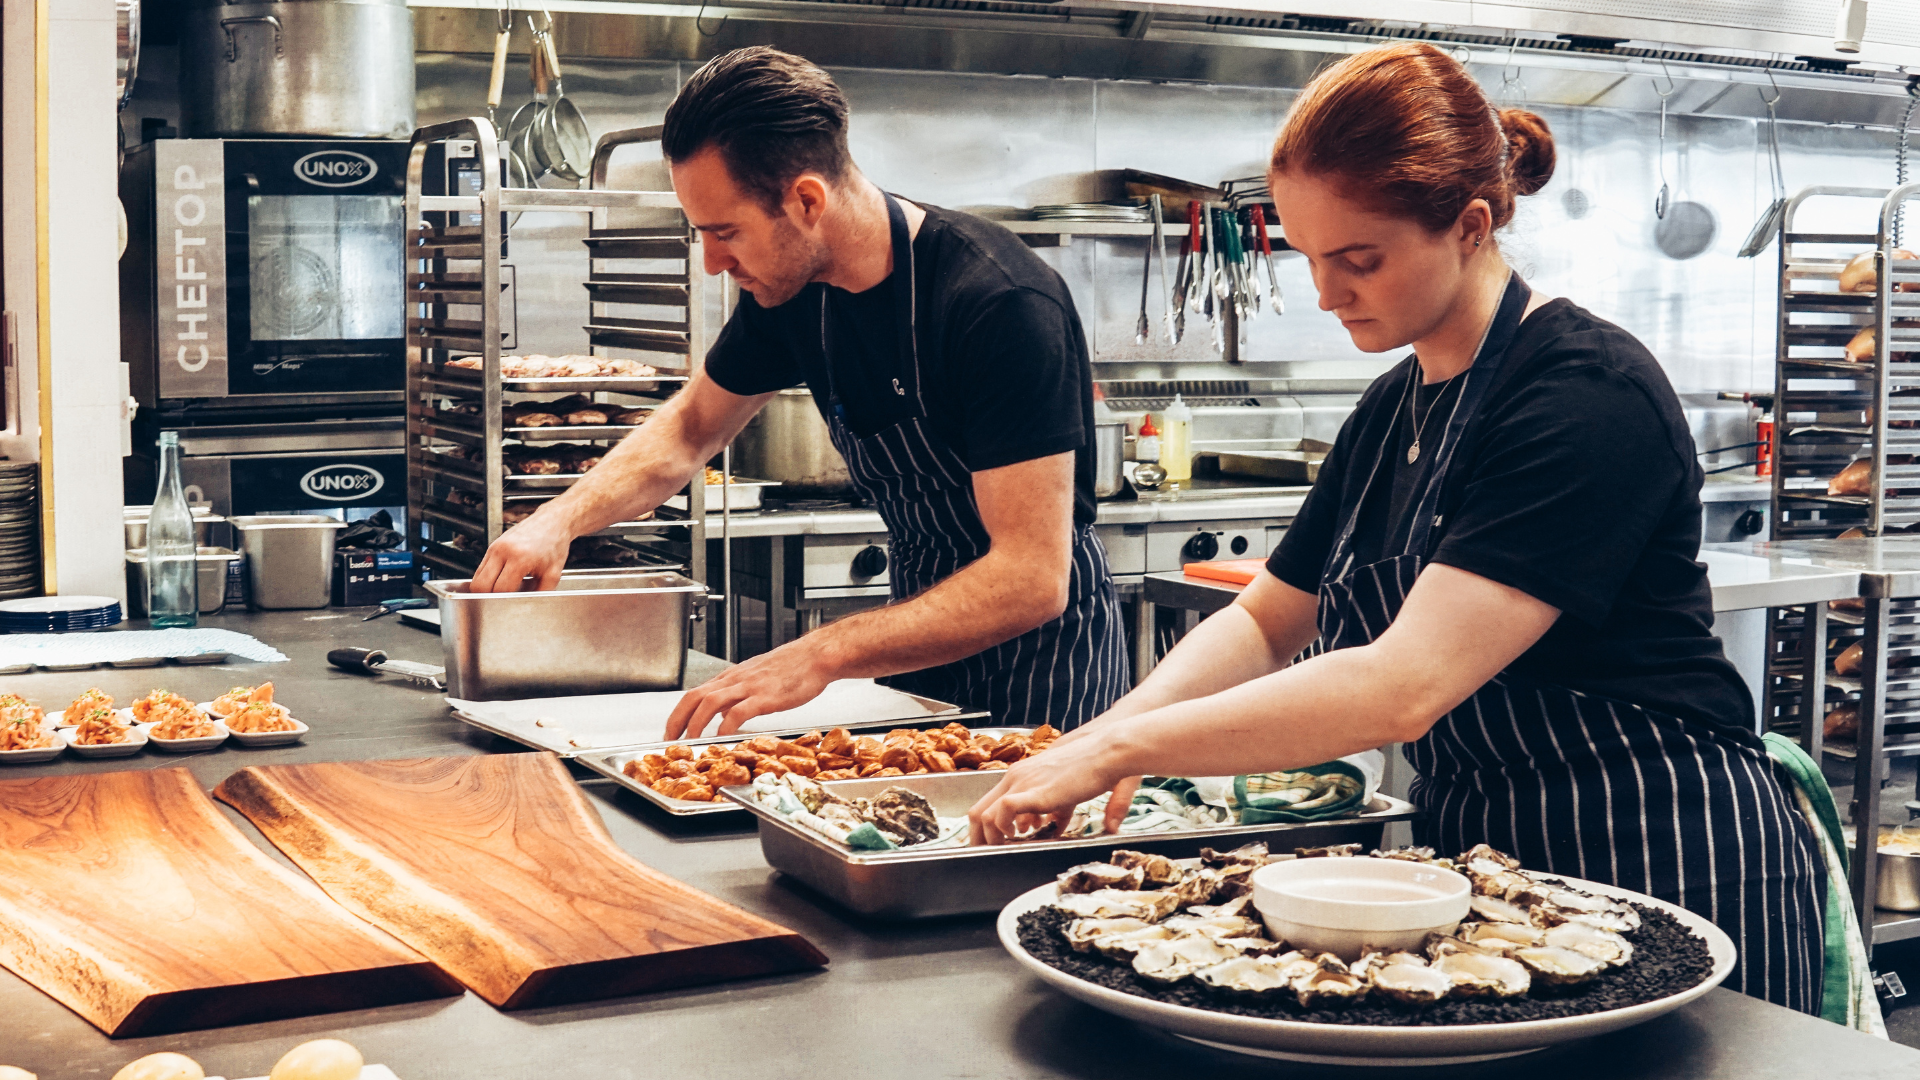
<point x="500" y="871"/>
<point x="131" y="899"/>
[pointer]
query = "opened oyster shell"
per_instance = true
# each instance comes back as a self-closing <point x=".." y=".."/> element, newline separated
<point x="1150" y="905"/>
<point x="1092" y="877"/>
<point x="1154" y="869"/>
<point x="1082" y="933"/>
<point x="1253" y="854"/>
<point x="1246" y="975"/>
<point x="1501" y="937"/>
<point x="1176" y="959"/>
<point x="1557" y="966"/>
<point x="1127" y="945"/>
<point x="1408" y="979"/>
<point x="1477" y="973"/>
<point x="1495" y="909"/>
<point x="1214" y="926"/>
<point x="1590" y="940"/>
<point x="1330" y="982"/>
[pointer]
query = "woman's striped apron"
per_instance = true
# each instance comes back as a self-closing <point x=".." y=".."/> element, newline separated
<point x="1064" y="672"/>
<point x="1579" y="785"/>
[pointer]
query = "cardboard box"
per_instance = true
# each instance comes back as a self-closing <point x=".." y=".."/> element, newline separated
<point x="361" y="578"/>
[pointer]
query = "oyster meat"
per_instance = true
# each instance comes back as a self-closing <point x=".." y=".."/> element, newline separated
<point x="1557" y="966"/>
<point x="1235" y="906"/>
<point x="1127" y="945"/>
<point x="1556" y="906"/>
<point x="1092" y="877"/>
<point x="1330" y="982"/>
<point x="1477" y="973"/>
<point x="1154" y="869"/>
<point x="1590" y="940"/>
<point x="1149" y="906"/>
<point x="1495" y="909"/>
<point x="1295" y="964"/>
<point x="1407" y="854"/>
<point x="1245" y="975"/>
<point x="1082" y="933"/>
<point x="1179" y="957"/>
<point x="1501" y="937"/>
<point x="1254" y="853"/>
<point x="1335" y="851"/>
<point x="1215" y="926"/>
<point x="1408" y="979"/>
<point x="1487" y="860"/>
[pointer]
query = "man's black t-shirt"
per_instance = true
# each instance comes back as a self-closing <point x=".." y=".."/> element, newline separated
<point x="1005" y="375"/>
<point x="1578" y="485"/>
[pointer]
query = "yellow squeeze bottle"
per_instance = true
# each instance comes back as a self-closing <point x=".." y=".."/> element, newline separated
<point x="1176" y="440"/>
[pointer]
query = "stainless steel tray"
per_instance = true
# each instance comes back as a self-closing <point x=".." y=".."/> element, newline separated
<point x="570" y="432"/>
<point x="909" y="884"/>
<point x="610" y="763"/>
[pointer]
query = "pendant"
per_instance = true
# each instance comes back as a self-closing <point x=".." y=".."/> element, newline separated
<point x="1413" y="453"/>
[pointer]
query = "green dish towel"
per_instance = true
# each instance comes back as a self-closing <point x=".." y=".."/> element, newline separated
<point x="1847" y="996"/>
<point x="1266" y="798"/>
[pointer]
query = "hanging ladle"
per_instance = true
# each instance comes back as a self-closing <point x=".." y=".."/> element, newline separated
<point x="1769" y="223"/>
<point x="1660" y="200"/>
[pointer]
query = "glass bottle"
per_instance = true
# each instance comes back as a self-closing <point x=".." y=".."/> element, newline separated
<point x="173" y="580"/>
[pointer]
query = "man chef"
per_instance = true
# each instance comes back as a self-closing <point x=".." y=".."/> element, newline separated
<point x="951" y="368"/>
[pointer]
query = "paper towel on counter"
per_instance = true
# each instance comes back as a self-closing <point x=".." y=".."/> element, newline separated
<point x="105" y="647"/>
<point x="571" y="725"/>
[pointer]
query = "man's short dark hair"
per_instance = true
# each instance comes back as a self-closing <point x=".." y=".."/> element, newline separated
<point x="770" y="114"/>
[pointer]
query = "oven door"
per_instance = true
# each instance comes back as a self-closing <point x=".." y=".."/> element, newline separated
<point x="314" y="238"/>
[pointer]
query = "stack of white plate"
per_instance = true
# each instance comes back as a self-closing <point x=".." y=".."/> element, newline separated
<point x="19" y="529"/>
<point x="58" y="614"/>
<point x="1114" y="211"/>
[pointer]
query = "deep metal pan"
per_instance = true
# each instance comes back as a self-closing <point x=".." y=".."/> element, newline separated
<point x="609" y="763"/>
<point x="908" y="884"/>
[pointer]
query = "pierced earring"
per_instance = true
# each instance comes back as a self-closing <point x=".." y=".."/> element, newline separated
<point x="1476" y="241"/>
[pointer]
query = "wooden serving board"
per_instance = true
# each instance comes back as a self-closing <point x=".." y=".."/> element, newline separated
<point x="132" y="900"/>
<point x="498" y="869"/>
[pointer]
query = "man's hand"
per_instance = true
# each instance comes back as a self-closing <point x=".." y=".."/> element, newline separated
<point x="786" y="678"/>
<point x="535" y="548"/>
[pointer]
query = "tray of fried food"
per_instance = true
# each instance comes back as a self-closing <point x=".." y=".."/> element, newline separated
<point x="684" y="778"/>
<point x="25" y="735"/>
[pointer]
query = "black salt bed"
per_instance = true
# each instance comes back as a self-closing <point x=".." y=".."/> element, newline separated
<point x="1667" y="958"/>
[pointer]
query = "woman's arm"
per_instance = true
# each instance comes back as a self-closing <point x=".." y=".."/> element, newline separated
<point x="1456" y="631"/>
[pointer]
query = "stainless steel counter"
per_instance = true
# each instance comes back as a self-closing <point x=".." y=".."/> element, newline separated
<point x="930" y="1001"/>
<point x="1194" y="507"/>
<point x="1888" y="566"/>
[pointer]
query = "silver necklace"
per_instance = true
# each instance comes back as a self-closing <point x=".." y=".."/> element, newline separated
<point x="1419" y="425"/>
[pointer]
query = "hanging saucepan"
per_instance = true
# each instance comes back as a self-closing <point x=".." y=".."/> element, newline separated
<point x="560" y="133"/>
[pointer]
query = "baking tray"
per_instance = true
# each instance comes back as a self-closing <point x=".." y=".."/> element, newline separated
<point x="909" y="884"/>
<point x="938" y="714"/>
<point x="569" y="432"/>
<point x="609" y="763"/>
<point x="742" y="494"/>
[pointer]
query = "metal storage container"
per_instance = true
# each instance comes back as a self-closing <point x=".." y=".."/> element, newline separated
<point x="289" y="559"/>
<point x="595" y="634"/>
<point x="312" y="67"/>
<point x="210" y="567"/>
<point x="924" y="883"/>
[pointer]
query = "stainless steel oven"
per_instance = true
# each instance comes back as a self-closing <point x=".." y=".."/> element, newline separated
<point x="264" y="274"/>
<point x="347" y="468"/>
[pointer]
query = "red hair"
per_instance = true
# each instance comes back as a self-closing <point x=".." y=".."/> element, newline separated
<point x="1412" y="135"/>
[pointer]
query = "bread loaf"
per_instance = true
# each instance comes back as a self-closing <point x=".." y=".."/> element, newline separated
<point x="1858" y="275"/>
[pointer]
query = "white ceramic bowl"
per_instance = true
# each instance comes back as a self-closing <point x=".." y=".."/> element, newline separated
<point x="187" y="746"/>
<point x="136" y="741"/>
<point x="1343" y="905"/>
<point x="37" y="755"/>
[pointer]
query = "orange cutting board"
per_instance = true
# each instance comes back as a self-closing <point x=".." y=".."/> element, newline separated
<point x="132" y="900"/>
<point x="498" y="869"/>
<point x="1238" y="571"/>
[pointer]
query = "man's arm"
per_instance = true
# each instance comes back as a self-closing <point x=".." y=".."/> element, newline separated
<point x="1020" y="583"/>
<point x="637" y="475"/>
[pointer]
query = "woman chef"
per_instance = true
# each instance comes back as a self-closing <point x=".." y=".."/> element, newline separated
<point x="1498" y="559"/>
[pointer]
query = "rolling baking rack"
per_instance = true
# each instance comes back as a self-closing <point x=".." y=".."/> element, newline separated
<point x="460" y="490"/>
<point x="1830" y="411"/>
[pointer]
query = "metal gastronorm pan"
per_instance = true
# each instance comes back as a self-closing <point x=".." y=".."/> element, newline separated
<point x="910" y="884"/>
<point x="610" y="763"/>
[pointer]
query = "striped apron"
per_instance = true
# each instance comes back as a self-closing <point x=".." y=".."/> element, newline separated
<point x="1570" y="783"/>
<point x="1064" y="672"/>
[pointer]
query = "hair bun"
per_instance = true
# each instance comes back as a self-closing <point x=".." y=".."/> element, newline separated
<point x="1530" y="156"/>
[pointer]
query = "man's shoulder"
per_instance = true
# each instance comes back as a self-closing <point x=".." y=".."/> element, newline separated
<point x="979" y="261"/>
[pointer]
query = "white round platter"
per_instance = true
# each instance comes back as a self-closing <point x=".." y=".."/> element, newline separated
<point x="1365" y="1045"/>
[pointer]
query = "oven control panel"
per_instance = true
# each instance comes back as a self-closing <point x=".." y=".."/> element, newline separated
<point x="1171" y="545"/>
<point x="853" y="560"/>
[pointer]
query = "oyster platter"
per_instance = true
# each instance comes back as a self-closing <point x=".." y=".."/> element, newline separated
<point x="1189" y="945"/>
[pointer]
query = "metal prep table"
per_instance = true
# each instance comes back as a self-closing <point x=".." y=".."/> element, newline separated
<point x="934" y="1000"/>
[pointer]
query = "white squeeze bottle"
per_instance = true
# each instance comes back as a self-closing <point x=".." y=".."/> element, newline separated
<point x="1176" y="440"/>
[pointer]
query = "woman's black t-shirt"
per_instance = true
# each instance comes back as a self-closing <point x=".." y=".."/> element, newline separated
<point x="1576" y="484"/>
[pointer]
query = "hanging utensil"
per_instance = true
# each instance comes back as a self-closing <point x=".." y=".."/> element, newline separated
<point x="1196" y="258"/>
<point x="521" y="124"/>
<point x="1183" y="283"/>
<point x="565" y="145"/>
<point x="1660" y="200"/>
<point x="1166" y="283"/>
<point x="1769" y="223"/>
<point x="1266" y="250"/>
<point x="1143" y="328"/>
<point x="497" y="81"/>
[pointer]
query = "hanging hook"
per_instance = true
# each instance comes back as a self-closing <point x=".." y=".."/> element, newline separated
<point x="1775" y="99"/>
<point x="1660" y="200"/>
<point x="704" y="32"/>
<point x="1510" y="77"/>
<point x="503" y="16"/>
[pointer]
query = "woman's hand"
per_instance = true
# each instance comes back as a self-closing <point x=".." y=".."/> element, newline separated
<point x="1047" y="787"/>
